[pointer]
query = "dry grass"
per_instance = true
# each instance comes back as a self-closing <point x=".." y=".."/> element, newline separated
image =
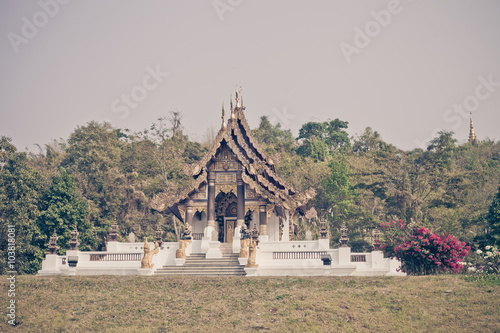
<point x="275" y="304"/>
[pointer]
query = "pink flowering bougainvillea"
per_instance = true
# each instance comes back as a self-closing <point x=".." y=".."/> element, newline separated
<point x="421" y="251"/>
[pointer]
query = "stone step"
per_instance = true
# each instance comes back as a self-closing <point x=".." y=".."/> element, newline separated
<point x="226" y="248"/>
<point x="235" y="257"/>
<point x="241" y="272"/>
<point x="198" y="264"/>
<point x="202" y="255"/>
<point x="187" y="271"/>
<point x="211" y="264"/>
<point x="203" y="258"/>
<point x="201" y="273"/>
<point x="182" y="268"/>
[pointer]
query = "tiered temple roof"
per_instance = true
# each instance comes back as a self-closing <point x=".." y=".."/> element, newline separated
<point x="258" y="168"/>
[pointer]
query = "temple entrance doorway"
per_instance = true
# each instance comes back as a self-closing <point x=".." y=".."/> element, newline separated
<point x="226" y="208"/>
<point x="229" y="225"/>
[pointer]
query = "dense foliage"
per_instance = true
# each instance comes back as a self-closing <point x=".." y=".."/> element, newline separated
<point x="103" y="174"/>
<point x="482" y="261"/>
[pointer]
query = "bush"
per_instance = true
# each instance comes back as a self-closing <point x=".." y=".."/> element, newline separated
<point x="486" y="261"/>
<point x="420" y="251"/>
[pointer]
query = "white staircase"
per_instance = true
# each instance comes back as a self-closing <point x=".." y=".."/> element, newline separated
<point x="197" y="264"/>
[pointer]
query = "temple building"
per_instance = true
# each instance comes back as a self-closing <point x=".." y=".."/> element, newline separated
<point x="234" y="184"/>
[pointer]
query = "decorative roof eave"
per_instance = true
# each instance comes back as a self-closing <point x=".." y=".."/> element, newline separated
<point x="195" y="168"/>
<point x="265" y="193"/>
<point x="243" y="120"/>
<point x="261" y="165"/>
<point x="272" y="188"/>
<point x="164" y="200"/>
<point x="290" y="203"/>
<point x="236" y="149"/>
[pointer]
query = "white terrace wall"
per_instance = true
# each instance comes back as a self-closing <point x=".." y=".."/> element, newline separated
<point x="303" y="258"/>
<point x="300" y="258"/>
<point x="118" y="259"/>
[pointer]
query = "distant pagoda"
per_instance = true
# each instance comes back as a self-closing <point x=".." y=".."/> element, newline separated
<point x="472" y="135"/>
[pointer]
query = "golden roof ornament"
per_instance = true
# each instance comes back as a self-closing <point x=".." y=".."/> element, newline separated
<point x="233" y="116"/>
<point x="223" y="117"/>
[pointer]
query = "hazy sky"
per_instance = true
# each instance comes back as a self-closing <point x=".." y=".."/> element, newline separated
<point x="406" y="68"/>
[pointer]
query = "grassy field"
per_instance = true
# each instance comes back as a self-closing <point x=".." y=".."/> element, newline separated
<point x="443" y="303"/>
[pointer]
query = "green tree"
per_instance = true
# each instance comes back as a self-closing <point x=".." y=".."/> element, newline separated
<point x="315" y="148"/>
<point x="440" y="151"/>
<point x="340" y="199"/>
<point x="21" y="187"/>
<point x="93" y="156"/>
<point x="6" y="150"/>
<point x="369" y="141"/>
<point x="273" y="138"/>
<point x="493" y="219"/>
<point x="338" y="188"/>
<point x="62" y="208"/>
<point x="332" y="133"/>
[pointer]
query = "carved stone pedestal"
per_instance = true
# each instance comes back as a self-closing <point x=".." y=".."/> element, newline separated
<point x="236" y="240"/>
<point x="214" y="251"/>
<point x="179" y="261"/>
<point x="207" y="238"/>
<point x="144" y="271"/>
<point x="251" y="271"/>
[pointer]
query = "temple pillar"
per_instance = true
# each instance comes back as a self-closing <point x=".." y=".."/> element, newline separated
<point x="263" y="219"/>
<point x="208" y="232"/>
<point x="240" y="189"/>
<point x="189" y="212"/>
<point x="240" y="214"/>
<point x="211" y="200"/>
<point x="263" y="223"/>
<point x="286" y="228"/>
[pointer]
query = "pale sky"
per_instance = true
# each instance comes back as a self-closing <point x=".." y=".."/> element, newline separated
<point x="399" y="67"/>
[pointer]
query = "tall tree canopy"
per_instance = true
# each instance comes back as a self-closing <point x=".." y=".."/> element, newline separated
<point x="63" y="208"/>
<point x="320" y="139"/>
<point x="493" y="219"/>
<point x="21" y="188"/>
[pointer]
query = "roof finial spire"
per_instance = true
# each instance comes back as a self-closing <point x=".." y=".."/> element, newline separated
<point x="472" y="134"/>
<point x="237" y="98"/>
<point x="233" y="116"/>
<point x="223" y="117"/>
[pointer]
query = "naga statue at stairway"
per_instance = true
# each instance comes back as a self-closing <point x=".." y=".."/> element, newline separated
<point x="183" y="242"/>
<point x="146" y="261"/>
<point x="252" y="254"/>
<point x="244" y="242"/>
